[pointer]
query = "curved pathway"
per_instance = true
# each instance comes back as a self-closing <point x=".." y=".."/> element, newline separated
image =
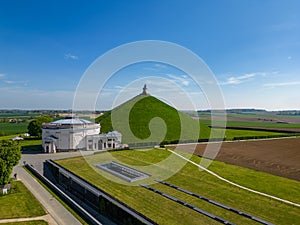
<point x="235" y="184"/>
<point x="46" y="218"/>
<point x="57" y="213"/>
<point x="60" y="215"/>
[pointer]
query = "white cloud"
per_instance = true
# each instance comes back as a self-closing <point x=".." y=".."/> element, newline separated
<point x="2" y="75"/>
<point x="9" y="81"/>
<point x="282" y="84"/>
<point x="156" y="67"/>
<point x="70" y="56"/>
<point x="181" y="79"/>
<point x="16" y="82"/>
<point x="118" y="87"/>
<point x="241" y="79"/>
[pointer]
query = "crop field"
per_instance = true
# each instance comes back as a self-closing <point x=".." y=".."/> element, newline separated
<point x="18" y="115"/>
<point x="230" y="134"/>
<point x="276" y="156"/>
<point x="166" y="211"/>
<point x="254" y="120"/>
<point x="255" y="124"/>
<point x="13" y="128"/>
<point x="251" y="116"/>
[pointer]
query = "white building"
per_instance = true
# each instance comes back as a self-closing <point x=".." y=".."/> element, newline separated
<point x="73" y="133"/>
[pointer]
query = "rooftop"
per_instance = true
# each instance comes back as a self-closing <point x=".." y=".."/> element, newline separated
<point x="70" y="120"/>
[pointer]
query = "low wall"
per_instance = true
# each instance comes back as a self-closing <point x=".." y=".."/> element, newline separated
<point x="81" y="211"/>
<point x="96" y="198"/>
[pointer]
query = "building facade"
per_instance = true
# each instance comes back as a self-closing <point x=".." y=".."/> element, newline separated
<point x="73" y="133"/>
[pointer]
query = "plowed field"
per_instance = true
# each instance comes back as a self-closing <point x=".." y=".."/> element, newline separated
<point x="276" y="156"/>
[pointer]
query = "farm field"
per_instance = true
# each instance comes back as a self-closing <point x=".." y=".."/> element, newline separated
<point x="13" y="128"/>
<point x="276" y="156"/>
<point x="256" y="124"/>
<point x="20" y="203"/>
<point x="230" y="134"/>
<point x="266" y="116"/>
<point x="260" y="121"/>
<point x="17" y="115"/>
<point x="164" y="211"/>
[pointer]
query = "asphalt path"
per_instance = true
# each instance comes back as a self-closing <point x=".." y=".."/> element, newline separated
<point x="59" y="214"/>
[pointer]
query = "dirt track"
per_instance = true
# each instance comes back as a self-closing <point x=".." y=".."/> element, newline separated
<point x="277" y="156"/>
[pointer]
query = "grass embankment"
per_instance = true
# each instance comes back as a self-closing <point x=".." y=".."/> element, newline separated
<point x="191" y="178"/>
<point x="20" y="203"/>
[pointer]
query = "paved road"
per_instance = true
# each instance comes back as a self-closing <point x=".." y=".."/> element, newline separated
<point x="60" y="215"/>
<point x="37" y="159"/>
<point x="57" y="211"/>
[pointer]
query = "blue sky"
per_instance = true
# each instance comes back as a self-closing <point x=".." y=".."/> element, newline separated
<point x="252" y="47"/>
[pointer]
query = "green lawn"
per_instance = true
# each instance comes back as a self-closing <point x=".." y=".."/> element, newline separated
<point x="28" y="144"/>
<point x="164" y="211"/>
<point x="31" y="145"/>
<point x="20" y="203"/>
<point x="6" y="137"/>
<point x="33" y="222"/>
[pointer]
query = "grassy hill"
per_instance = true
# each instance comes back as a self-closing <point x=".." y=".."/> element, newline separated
<point x="144" y="118"/>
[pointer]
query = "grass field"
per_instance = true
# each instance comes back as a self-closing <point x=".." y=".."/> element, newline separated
<point x="20" y="203"/>
<point x="31" y="145"/>
<point x="27" y="144"/>
<point x="164" y="211"/>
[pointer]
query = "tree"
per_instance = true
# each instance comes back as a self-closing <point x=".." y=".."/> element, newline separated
<point x="35" y="126"/>
<point x="10" y="154"/>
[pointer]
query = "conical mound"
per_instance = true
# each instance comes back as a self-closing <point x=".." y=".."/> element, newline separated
<point x="146" y="119"/>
